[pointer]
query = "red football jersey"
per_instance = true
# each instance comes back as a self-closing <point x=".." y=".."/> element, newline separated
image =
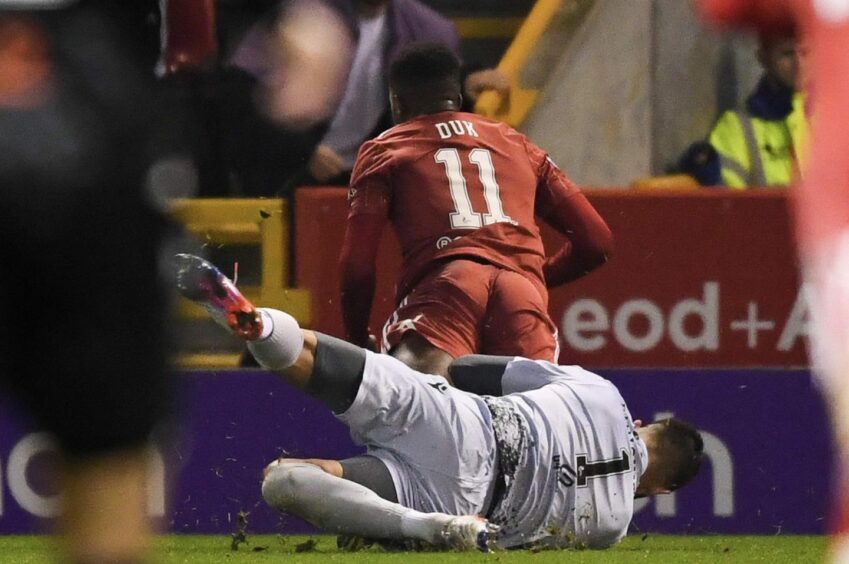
<point x="457" y="184"/>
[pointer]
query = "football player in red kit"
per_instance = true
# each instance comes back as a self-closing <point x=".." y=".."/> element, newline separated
<point x="821" y="202"/>
<point x="462" y="193"/>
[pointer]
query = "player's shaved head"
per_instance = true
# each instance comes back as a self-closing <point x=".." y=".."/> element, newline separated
<point x="675" y="456"/>
<point x="424" y="79"/>
<point x="682" y="446"/>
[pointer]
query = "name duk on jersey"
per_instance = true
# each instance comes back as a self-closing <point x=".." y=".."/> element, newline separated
<point x="456" y="127"/>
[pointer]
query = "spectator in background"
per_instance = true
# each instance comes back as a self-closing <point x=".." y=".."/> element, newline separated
<point x="763" y="143"/>
<point x="274" y="148"/>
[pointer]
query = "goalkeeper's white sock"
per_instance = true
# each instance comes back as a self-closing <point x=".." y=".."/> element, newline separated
<point x="281" y="341"/>
<point x="337" y="505"/>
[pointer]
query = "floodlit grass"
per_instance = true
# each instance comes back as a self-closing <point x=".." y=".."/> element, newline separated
<point x="654" y="549"/>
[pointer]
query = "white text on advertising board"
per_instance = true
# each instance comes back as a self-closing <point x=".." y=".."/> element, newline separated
<point x="589" y="325"/>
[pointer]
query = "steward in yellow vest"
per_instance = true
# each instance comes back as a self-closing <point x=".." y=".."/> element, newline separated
<point x="759" y="146"/>
<point x="763" y="143"/>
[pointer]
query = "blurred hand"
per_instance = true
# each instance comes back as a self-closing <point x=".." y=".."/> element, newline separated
<point x="487" y="79"/>
<point x="325" y="164"/>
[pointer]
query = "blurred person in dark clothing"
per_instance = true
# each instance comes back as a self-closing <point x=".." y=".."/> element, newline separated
<point x="81" y="306"/>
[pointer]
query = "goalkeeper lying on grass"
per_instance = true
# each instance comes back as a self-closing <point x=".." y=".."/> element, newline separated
<point x="540" y="454"/>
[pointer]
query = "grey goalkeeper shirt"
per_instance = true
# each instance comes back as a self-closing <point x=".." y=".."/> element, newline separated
<point x="575" y="481"/>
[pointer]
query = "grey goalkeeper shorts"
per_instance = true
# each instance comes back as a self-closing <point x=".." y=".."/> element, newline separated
<point x="436" y="441"/>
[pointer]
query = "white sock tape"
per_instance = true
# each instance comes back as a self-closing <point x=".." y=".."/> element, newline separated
<point x="281" y="348"/>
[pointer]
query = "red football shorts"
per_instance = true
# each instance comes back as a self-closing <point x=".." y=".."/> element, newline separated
<point x="465" y="307"/>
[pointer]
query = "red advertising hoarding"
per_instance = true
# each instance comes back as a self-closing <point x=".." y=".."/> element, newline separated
<point x="702" y="278"/>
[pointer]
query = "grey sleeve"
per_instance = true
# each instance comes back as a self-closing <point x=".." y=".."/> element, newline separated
<point x="479" y="374"/>
<point x="372" y="473"/>
<point x="337" y="373"/>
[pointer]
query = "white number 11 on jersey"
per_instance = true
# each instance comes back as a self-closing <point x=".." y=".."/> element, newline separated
<point x="463" y="216"/>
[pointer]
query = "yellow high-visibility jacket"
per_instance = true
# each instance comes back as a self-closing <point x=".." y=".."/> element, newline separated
<point x="757" y="152"/>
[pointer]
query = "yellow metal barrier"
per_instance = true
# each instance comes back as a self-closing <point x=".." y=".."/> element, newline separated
<point x="666" y="182"/>
<point x="264" y="222"/>
<point x="244" y="221"/>
<point x="521" y="100"/>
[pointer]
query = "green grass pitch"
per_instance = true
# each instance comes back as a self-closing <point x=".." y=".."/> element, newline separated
<point x="653" y="549"/>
